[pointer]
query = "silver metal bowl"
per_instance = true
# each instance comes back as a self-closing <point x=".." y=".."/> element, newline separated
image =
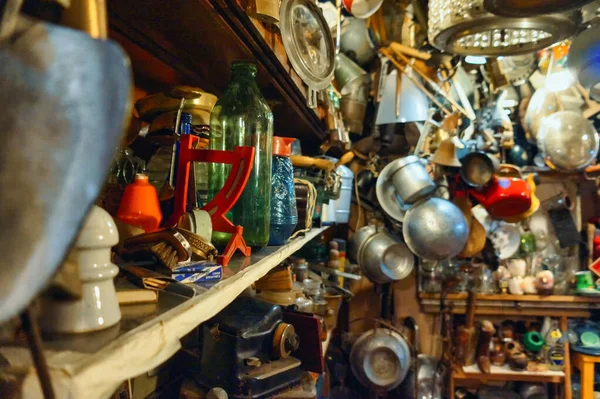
<point x="435" y="229"/>
<point x="384" y="258"/>
<point x="380" y="359"/>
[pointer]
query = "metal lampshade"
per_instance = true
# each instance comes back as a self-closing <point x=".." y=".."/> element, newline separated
<point x="464" y="27"/>
<point x="413" y="104"/>
<point x="531" y="8"/>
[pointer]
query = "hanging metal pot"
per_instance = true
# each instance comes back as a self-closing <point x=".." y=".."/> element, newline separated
<point x="435" y="229"/>
<point x="382" y="257"/>
<point x="409" y="178"/>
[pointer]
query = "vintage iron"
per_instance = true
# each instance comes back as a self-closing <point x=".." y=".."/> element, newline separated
<point x="72" y="94"/>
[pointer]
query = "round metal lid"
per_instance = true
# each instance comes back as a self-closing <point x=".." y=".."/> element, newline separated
<point x="531" y="8"/>
<point x="308" y="42"/>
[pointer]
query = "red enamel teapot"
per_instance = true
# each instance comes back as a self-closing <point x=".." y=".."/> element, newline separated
<point x="504" y="197"/>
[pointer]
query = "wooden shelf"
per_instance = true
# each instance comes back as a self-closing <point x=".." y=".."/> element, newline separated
<point x="472" y="378"/>
<point x="195" y="42"/>
<point x="94" y="365"/>
<point x="518" y="298"/>
<point x="504" y="373"/>
<point x="515" y="305"/>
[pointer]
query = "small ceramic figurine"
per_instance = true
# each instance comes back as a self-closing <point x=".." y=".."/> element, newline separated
<point x="515" y="286"/>
<point x="501" y="273"/>
<point x="517" y="267"/>
<point x="497" y="354"/>
<point x="530" y="285"/>
<point x="545" y="282"/>
<point x="507" y="331"/>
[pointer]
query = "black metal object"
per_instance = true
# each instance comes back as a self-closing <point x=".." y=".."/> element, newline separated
<point x="238" y="351"/>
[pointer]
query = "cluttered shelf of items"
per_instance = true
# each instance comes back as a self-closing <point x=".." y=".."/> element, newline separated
<point x="507" y="304"/>
<point x="151" y="320"/>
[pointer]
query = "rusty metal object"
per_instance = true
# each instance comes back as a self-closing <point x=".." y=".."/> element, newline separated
<point x="34" y="340"/>
<point x="65" y="99"/>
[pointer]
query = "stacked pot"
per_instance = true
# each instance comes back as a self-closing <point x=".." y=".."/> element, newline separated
<point x="433" y="228"/>
<point x="382" y="257"/>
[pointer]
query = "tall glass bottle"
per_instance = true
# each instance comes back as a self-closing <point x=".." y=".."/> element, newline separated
<point x="242" y="117"/>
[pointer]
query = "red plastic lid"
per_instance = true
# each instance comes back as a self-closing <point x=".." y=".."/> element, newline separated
<point x="282" y="146"/>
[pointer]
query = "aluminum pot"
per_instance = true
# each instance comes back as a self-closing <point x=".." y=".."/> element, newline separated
<point x="380" y="359"/>
<point x="478" y="168"/>
<point x="435" y="229"/>
<point x="382" y="257"/>
<point x="410" y="179"/>
<point x="358" y="239"/>
<point x="353" y="113"/>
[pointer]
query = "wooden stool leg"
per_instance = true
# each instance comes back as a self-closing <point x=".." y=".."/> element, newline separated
<point x="587" y="380"/>
<point x="568" y="392"/>
<point x="451" y="387"/>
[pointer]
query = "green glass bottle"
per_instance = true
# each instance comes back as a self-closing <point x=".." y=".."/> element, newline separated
<point x="242" y="117"/>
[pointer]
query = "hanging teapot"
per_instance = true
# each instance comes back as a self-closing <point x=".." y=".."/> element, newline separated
<point x="504" y="197"/>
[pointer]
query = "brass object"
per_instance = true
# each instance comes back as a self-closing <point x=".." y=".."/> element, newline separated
<point x="446" y="154"/>
<point x="199" y="246"/>
<point x="88" y="16"/>
<point x="285" y="340"/>
<point x="154" y="105"/>
<point x="264" y="10"/>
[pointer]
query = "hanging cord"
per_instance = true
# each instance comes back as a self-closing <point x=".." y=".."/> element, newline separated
<point x="34" y="341"/>
<point x="311" y="201"/>
<point x="359" y="217"/>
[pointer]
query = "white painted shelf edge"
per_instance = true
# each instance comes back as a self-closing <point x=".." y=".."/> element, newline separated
<point x="98" y="375"/>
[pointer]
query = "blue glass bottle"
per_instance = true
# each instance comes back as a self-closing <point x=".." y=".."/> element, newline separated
<point x="284" y="213"/>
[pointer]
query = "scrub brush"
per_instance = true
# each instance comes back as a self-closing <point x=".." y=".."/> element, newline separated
<point x="165" y="247"/>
